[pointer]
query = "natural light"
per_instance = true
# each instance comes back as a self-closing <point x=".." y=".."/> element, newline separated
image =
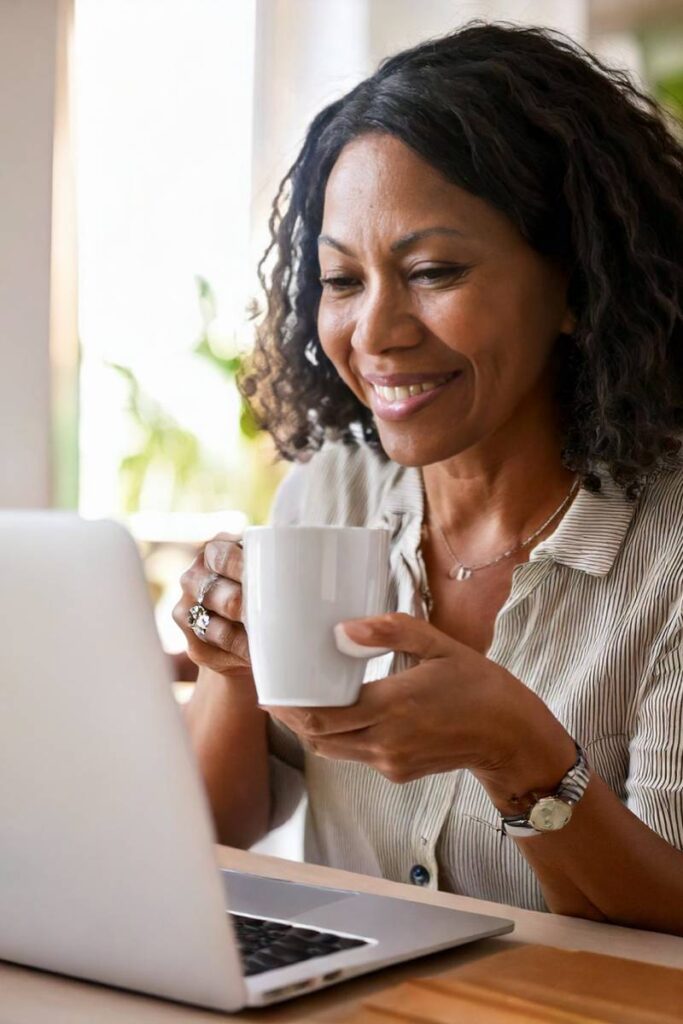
<point x="164" y="109"/>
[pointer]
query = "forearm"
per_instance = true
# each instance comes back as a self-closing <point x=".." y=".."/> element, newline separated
<point x="605" y="864"/>
<point x="228" y="732"/>
<point x="625" y="870"/>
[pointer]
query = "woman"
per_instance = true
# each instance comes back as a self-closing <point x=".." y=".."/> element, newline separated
<point x="474" y="337"/>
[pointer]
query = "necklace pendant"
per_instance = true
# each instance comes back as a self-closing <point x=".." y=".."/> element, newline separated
<point x="460" y="573"/>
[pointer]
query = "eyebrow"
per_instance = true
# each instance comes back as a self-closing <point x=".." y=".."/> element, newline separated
<point x="401" y="243"/>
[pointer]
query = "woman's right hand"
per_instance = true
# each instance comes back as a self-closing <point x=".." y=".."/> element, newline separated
<point x="225" y="648"/>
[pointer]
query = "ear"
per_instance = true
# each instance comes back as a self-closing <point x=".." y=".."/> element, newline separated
<point x="568" y="325"/>
<point x="569" y="319"/>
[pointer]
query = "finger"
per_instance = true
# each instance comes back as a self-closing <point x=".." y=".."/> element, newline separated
<point x="205" y="655"/>
<point x="194" y="575"/>
<point x="224" y="557"/>
<point x="356" y="746"/>
<point x="227" y="538"/>
<point x="197" y="570"/>
<point x="345" y="645"/>
<point x="325" y="721"/>
<point x="229" y="637"/>
<point x="225" y="598"/>
<point x="399" y="632"/>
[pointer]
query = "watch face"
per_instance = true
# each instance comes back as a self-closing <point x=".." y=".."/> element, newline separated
<point x="549" y="814"/>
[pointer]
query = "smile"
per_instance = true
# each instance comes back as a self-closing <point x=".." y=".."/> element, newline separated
<point x="397" y="403"/>
<point x="394" y="394"/>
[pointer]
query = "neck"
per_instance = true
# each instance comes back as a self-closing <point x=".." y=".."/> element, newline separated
<point x="499" y="491"/>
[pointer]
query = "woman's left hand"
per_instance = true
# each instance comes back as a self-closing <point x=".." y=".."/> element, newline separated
<point x="455" y="709"/>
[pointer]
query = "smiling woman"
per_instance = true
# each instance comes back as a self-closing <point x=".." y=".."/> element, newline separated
<point x="474" y="338"/>
<point x="474" y="310"/>
<point x="531" y="148"/>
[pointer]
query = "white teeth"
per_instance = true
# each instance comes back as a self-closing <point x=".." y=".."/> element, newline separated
<point x="396" y="394"/>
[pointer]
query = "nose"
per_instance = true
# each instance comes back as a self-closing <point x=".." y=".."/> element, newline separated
<point x="383" y="321"/>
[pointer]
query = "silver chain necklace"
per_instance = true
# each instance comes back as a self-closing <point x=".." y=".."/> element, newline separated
<point x="459" y="571"/>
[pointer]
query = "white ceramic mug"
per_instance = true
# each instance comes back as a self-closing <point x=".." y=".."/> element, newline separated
<point x="298" y="583"/>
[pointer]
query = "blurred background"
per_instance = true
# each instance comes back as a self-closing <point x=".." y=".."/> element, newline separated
<point x="143" y="141"/>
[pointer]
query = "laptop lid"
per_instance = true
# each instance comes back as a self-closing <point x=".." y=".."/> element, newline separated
<point x="106" y="864"/>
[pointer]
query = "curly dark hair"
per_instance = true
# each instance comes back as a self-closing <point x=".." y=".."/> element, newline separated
<point x="588" y="168"/>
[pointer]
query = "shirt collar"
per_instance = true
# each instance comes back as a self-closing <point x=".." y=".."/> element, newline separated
<point x="591" y="533"/>
<point x="588" y="537"/>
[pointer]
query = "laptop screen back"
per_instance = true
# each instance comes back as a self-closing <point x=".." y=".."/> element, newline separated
<point x="106" y="864"/>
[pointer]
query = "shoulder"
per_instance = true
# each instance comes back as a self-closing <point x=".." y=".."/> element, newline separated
<point x="339" y="485"/>
<point x="661" y="506"/>
<point x="658" y="527"/>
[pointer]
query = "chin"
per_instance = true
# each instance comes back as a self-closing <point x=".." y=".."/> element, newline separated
<point x="417" y="451"/>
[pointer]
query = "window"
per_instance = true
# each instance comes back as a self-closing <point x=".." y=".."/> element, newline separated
<point x="163" y="93"/>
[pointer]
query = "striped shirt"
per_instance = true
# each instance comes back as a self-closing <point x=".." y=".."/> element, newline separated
<point x="593" y="624"/>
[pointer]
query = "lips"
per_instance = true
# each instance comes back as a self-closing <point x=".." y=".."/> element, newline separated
<point x="393" y="394"/>
<point x="395" y="380"/>
<point x="398" y="400"/>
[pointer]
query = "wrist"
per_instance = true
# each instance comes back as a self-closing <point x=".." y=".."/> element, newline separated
<point x="237" y="684"/>
<point x="535" y="768"/>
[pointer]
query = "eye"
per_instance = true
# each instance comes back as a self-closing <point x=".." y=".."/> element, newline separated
<point x="339" y="284"/>
<point x="437" y="272"/>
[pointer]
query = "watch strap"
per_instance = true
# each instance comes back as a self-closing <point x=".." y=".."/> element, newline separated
<point x="575" y="782"/>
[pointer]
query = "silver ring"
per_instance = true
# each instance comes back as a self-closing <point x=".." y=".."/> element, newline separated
<point x="206" y="587"/>
<point x="198" y="620"/>
<point x="198" y="617"/>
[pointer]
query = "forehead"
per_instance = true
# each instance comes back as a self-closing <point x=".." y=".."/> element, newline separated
<point x="381" y="167"/>
<point x="379" y="183"/>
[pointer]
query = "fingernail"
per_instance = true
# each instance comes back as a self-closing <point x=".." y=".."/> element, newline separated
<point x="349" y="647"/>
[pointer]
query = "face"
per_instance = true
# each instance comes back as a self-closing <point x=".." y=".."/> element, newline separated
<point x="434" y="310"/>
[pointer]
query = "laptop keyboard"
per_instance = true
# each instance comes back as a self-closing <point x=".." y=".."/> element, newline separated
<point x="265" y="945"/>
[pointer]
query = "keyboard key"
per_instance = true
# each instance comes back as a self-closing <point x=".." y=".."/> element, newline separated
<point x="297" y="945"/>
<point x="250" y="967"/>
<point x="325" y="939"/>
<point x="266" y="945"/>
<point x="305" y="933"/>
<point x="285" y="953"/>
<point x="264" y="961"/>
<point x="344" y="943"/>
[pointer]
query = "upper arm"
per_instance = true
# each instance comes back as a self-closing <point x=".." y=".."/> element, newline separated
<point x="655" y="781"/>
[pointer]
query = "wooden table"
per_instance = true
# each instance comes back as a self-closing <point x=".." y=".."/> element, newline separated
<point x="34" y="997"/>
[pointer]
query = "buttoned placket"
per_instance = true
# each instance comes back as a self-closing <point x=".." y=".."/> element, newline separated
<point x="438" y="798"/>
<point x="406" y="516"/>
<point x="422" y="867"/>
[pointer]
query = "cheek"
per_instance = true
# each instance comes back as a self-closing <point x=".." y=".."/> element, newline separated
<point x="504" y="331"/>
<point x="328" y="330"/>
<point x="334" y="331"/>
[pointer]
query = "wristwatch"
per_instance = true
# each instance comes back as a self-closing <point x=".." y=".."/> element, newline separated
<point x="551" y="812"/>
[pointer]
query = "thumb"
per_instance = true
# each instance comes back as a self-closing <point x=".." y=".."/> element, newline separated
<point x="369" y="637"/>
<point x="355" y="647"/>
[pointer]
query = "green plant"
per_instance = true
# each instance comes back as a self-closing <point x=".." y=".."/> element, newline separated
<point x="162" y="442"/>
<point x="227" y="356"/>
<point x="167" y="451"/>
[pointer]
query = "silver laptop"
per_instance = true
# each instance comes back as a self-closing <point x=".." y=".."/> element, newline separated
<point x="107" y="864"/>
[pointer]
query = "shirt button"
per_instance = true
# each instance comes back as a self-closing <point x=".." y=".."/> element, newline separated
<point x="419" y="875"/>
